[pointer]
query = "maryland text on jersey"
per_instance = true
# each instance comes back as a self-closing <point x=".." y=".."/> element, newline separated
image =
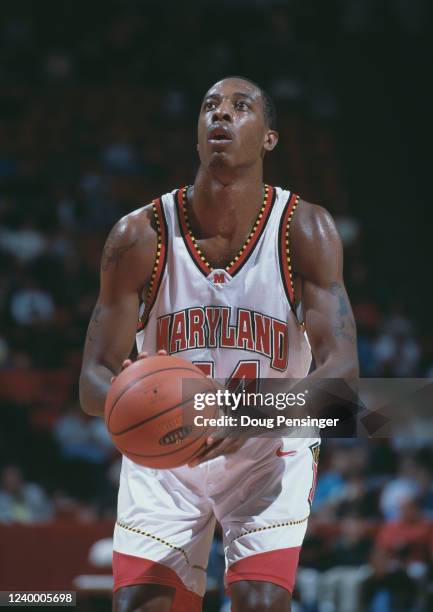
<point x="211" y="327"/>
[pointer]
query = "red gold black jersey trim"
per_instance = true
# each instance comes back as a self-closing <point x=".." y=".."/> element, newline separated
<point x="160" y="260"/>
<point x="247" y="248"/>
<point x="284" y="248"/>
<point x="198" y="259"/>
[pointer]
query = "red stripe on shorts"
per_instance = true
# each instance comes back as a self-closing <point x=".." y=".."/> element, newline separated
<point x="129" y="570"/>
<point x="276" y="566"/>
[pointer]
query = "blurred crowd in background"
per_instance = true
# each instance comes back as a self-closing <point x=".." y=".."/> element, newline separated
<point x="97" y="117"/>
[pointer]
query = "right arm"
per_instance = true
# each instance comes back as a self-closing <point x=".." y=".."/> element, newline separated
<point x="126" y="268"/>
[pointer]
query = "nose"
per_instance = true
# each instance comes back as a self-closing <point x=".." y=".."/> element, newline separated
<point x="223" y="112"/>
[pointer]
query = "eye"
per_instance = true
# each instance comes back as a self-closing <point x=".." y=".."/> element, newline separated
<point x="241" y="105"/>
<point x="209" y="105"/>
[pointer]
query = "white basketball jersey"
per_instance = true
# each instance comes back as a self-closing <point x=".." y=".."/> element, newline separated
<point x="237" y="322"/>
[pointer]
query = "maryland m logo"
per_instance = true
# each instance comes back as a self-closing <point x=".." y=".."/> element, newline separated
<point x="218" y="277"/>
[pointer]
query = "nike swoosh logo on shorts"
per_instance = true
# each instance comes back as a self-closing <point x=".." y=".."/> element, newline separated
<point x="281" y="453"/>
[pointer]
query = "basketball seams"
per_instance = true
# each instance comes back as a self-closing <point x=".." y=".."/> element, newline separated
<point x="169" y="407"/>
<point x="203" y="435"/>
<point x="151" y="418"/>
<point x="142" y="377"/>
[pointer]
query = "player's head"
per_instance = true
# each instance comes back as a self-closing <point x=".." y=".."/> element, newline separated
<point x="236" y="125"/>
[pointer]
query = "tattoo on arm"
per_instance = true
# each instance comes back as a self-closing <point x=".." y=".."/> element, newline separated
<point x="113" y="254"/>
<point x="94" y="322"/>
<point x="344" y="326"/>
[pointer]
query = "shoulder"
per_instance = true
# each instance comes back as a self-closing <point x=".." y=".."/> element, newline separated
<point x="134" y="227"/>
<point x="314" y="239"/>
<point x="312" y="222"/>
<point x="141" y="225"/>
<point x="309" y="220"/>
<point x="131" y="245"/>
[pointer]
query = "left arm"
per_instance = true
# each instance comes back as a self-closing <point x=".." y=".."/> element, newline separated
<point x="318" y="264"/>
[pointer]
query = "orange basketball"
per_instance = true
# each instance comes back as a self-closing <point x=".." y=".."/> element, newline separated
<point x="150" y="408"/>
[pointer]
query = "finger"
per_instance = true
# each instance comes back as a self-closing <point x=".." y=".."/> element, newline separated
<point x="209" y="453"/>
<point x="112" y="379"/>
<point x="142" y="355"/>
<point x="126" y="363"/>
<point x="218" y="449"/>
<point x="237" y="444"/>
<point x="228" y="446"/>
<point x="208" y="447"/>
<point x="162" y="352"/>
<point x="213" y="438"/>
<point x="197" y="459"/>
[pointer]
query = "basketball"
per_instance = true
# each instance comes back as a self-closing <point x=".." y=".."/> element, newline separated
<point x="146" y="408"/>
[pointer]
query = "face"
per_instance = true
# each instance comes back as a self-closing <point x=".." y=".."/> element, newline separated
<point x="231" y="128"/>
<point x="11" y="479"/>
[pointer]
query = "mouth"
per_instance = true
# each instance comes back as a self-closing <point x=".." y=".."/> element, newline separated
<point x="219" y="135"/>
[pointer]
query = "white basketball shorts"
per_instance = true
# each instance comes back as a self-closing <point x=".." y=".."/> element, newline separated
<point x="261" y="495"/>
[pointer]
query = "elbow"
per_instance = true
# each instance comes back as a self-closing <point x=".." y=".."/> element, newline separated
<point x="349" y="368"/>
<point x="340" y="366"/>
<point x="84" y="397"/>
<point x="353" y="366"/>
<point x="351" y="372"/>
<point x="92" y="391"/>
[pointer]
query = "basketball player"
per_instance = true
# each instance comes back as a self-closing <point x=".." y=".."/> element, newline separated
<point x="231" y="272"/>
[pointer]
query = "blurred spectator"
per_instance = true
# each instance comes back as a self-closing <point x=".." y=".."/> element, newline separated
<point x="429" y="580"/>
<point x="407" y="538"/>
<point x="20" y="501"/>
<point x="339" y="586"/>
<point x="67" y="212"/>
<point x="31" y="304"/>
<point x="82" y="437"/>
<point x="24" y="243"/>
<point x="120" y="157"/>
<point x="388" y="589"/>
<point x="343" y="488"/>
<point x="396" y="351"/>
<point x="67" y="507"/>
<point x="402" y="488"/>
<point x="353" y="546"/>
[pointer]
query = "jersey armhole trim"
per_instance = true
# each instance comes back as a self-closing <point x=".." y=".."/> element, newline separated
<point x="160" y="260"/>
<point x="284" y="249"/>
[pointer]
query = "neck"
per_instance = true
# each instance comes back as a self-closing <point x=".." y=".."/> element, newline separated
<point x="226" y="206"/>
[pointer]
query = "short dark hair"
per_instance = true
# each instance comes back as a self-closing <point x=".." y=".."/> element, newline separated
<point x="269" y="110"/>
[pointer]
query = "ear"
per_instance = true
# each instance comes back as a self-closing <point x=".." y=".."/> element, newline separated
<point x="271" y="140"/>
